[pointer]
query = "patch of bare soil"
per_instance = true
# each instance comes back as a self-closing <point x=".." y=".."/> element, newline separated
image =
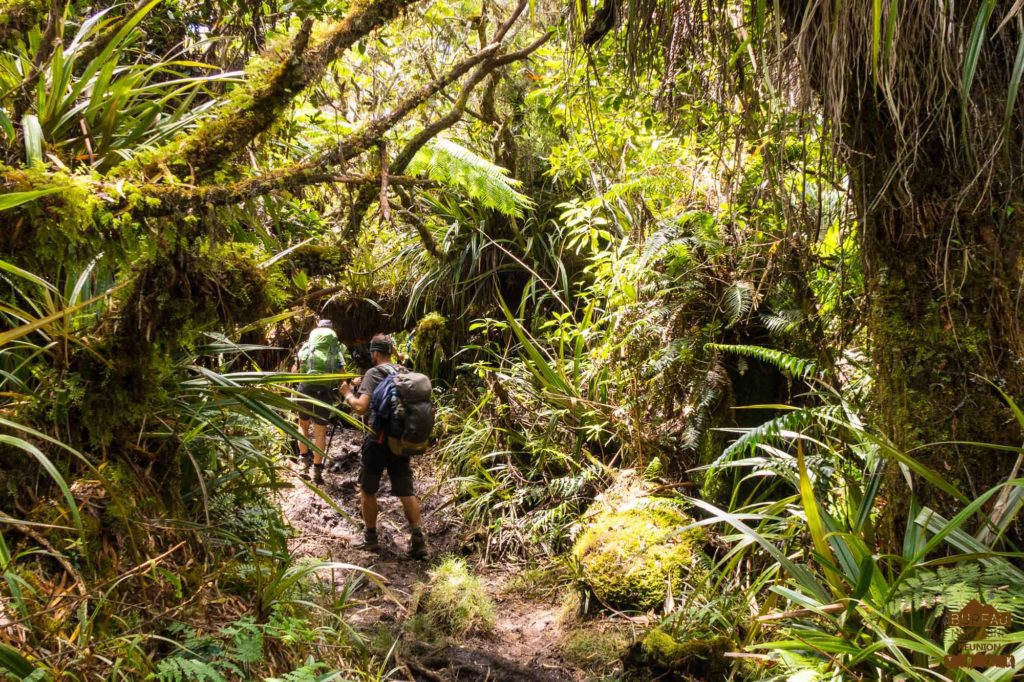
<point x="524" y="644"/>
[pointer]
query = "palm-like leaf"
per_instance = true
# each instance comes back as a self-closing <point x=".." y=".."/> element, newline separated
<point x="453" y="165"/>
<point x="100" y="106"/>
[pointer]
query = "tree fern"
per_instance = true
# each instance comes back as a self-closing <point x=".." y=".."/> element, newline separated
<point x="488" y="184"/>
<point x="798" y="367"/>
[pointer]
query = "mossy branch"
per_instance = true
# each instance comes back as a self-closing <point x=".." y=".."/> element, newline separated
<point x="318" y="170"/>
<point x="459" y="107"/>
<point x="47" y="43"/>
<point x="370" y="134"/>
<point x="173" y="200"/>
<point x="18" y="17"/>
<point x="96" y="47"/>
<point x="252" y="113"/>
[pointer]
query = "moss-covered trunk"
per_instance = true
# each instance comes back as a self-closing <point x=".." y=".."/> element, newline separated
<point x="943" y="277"/>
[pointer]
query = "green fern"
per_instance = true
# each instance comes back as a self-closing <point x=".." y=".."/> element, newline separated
<point x="311" y="672"/>
<point x="774" y="430"/>
<point x="486" y="183"/>
<point x="654" y="470"/>
<point x="783" y="321"/>
<point x="738" y="301"/>
<point x="185" y="670"/>
<point x="798" y="367"/>
<point x="247" y="638"/>
<point x="951" y="588"/>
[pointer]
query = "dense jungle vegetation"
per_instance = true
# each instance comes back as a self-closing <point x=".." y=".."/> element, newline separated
<point x="722" y="303"/>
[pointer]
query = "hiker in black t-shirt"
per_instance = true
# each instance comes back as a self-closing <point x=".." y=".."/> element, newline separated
<point x="377" y="458"/>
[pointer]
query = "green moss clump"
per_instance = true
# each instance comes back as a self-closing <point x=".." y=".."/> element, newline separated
<point x="429" y="343"/>
<point x="64" y="230"/>
<point x="17" y="17"/>
<point x="432" y="323"/>
<point x="318" y="260"/>
<point x="701" y="658"/>
<point x="454" y="601"/>
<point x="595" y="649"/>
<point x="632" y="549"/>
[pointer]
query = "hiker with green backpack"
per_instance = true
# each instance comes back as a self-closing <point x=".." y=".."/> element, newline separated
<point x="401" y="417"/>
<point x="320" y="354"/>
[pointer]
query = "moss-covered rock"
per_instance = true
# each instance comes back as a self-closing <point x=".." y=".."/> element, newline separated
<point x="453" y="603"/>
<point x="669" y="658"/>
<point x="595" y="649"/>
<point x="632" y="548"/>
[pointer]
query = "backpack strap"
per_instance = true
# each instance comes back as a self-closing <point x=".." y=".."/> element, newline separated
<point x="393" y="369"/>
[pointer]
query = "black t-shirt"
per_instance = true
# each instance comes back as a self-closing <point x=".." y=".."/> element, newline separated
<point x="374" y="376"/>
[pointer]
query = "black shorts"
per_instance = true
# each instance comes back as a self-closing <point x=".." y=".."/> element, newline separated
<point x="376" y="459"/>
<point x="325" y="393"/>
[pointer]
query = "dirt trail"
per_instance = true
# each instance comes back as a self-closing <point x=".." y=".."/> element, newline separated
<point x="523" y="644"/>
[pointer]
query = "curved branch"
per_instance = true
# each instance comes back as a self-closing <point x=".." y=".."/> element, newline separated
<point x="238" y="124"/>
<point x="458" y="108"/>
<point x="322" y="168"/>
<point x="369" y="135"/>
<point x="364" y="198"/>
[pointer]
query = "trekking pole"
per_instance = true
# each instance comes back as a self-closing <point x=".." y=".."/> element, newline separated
<point x="330" y="436"/>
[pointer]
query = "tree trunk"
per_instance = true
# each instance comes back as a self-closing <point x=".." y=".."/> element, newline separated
<point x="943" y="275"/>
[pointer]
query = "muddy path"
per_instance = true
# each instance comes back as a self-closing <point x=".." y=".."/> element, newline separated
<point x="522" y="645"/>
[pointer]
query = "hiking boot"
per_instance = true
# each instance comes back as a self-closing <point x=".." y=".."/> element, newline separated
<point x="306" y="461"/>
<point x="370" y="541"/>
<point x="418" y="546"/>
<point x="318" y="473"/>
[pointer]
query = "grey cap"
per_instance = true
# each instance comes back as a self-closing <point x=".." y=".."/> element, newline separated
<point x="324" y="322"/>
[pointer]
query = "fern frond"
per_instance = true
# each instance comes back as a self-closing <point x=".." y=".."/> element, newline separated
<point x="773" y="430"/>
<point x="783" y="321"/>
<point x="311" y="672"/>
<point x="738" y="301"/>
<point x="247" y="638"/>
<point x="798" y="367"/>
<point x="488" y="184"/>
<point x="185" y="670"/>
<point x="654" y="470"/>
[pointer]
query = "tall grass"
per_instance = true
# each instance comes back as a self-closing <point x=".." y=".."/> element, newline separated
<point x="113" y="553"/>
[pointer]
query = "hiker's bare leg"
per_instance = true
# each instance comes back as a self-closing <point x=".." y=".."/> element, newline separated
<point x="411" y="507"/>
<point x="304" y="430"/>
<point x="320" y="439"/>
<point x="368" y="505"/>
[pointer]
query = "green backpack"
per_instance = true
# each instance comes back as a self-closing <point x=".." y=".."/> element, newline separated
<point x="322" y="352"/>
